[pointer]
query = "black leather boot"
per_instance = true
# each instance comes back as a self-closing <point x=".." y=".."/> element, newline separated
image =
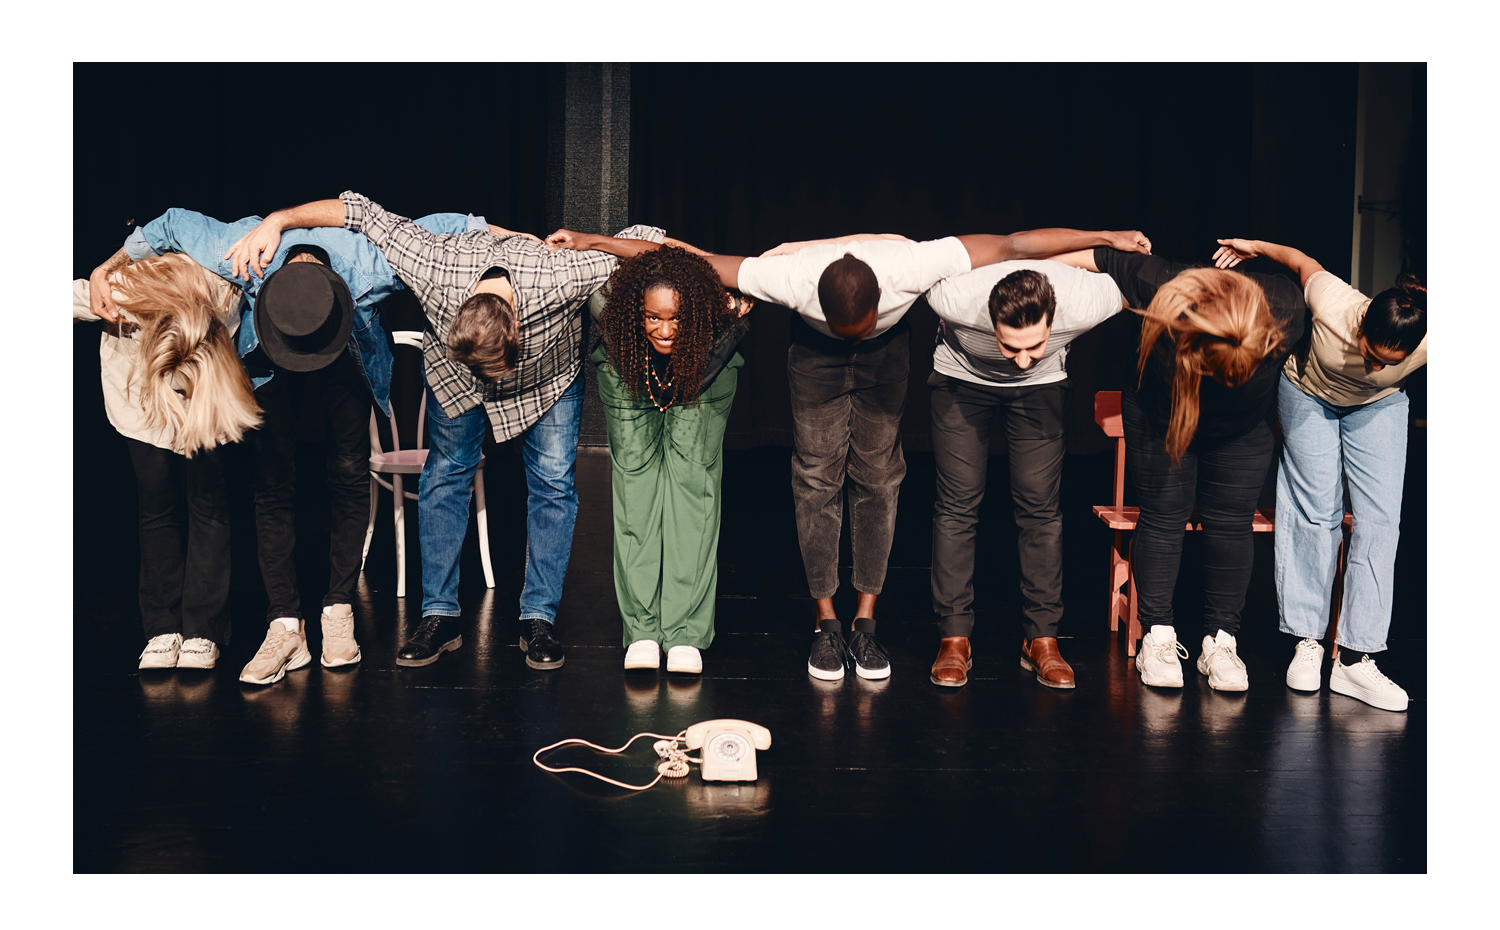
<point x="433" y="637"/>
<point x="542" y="651"/>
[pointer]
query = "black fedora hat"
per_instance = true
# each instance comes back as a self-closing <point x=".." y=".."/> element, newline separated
<point x="303" y="316"/>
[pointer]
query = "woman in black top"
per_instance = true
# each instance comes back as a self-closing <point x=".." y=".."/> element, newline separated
<point x="1199" y="430"/>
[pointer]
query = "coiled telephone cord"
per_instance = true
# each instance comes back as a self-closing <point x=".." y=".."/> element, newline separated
<point x="673" y="764"/>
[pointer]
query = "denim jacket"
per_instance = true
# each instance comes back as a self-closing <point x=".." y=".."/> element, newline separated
<point x="351" y="256"/>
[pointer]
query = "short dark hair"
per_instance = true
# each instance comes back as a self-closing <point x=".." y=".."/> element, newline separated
<point x="848" y="292"/>
<point x="484" y="336"/>
<point x="1022" y="298"/>
<point x="1397" y="317"/>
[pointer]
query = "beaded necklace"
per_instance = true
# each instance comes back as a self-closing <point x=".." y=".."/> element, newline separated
<point x="651" y="376"/>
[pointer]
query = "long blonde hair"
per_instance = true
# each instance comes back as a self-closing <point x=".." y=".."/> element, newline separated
<point x="1222" y="326"/>
<point x="191" y="379"/>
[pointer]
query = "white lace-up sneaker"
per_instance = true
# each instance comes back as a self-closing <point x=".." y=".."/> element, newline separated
<point x="1306" y="671"/>
<point x="1222" y="664"/>
<point x="161" y="651"/>
<point x="643" y="654"/>
<point x="339" y="647"/>
<point x="1160" y="658"/>
<point x="282" y="651"/>
<point x="198" y="653"/>
<point x="685" y="659"/>
<point x="1363" y="681"/>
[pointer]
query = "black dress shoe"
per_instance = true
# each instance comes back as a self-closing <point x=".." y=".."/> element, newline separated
<point x="434" y="636"/>
<point x="542" y="651"/>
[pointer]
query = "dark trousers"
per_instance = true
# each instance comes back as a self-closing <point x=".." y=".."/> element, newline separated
<point x="184" y="578"/>
<point x="346" y="417"/>
<point x="963" y="415"/>
<point x="1225" y="480"/>
<point x="847" y="402"/>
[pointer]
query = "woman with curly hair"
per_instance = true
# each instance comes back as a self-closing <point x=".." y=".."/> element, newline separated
<point x="1343" y="406"/>
<point x="1199" y="430"/>
<point x="175" y="389"/>
<point x="667" y="374"/>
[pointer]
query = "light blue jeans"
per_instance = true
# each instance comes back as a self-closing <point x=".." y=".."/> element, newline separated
<point x="1323" y="445"/>
<point x="549" y="450"/>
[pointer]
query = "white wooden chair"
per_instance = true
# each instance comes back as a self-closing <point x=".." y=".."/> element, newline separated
<point x="400" y="462"/>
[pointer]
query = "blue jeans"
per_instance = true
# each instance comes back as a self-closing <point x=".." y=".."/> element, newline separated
<point x="549" y="450"/>
<point x="1325" y="444"/>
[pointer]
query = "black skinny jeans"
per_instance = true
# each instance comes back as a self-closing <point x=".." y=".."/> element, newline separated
<point x="1225" y="481"/>
<point x="184" y="579"/>
<point x="346" y="417"/>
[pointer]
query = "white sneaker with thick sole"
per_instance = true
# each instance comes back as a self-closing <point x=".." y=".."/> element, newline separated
<point x="198" y="653"/>
<point x="1306" y="671"/>
<point x="162" y="651"/>
<point x="643" y="654"/>
<point x="1221" y="662"/>
<point x="1364" y="681"/>
<point x="685" y="659"/>
<point x="339" y="647"/>
<point x="282" y="651"/>
<point x="1160" y="658"/>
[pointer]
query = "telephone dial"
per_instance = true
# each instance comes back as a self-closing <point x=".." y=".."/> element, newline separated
<point x="728" y="748"/>
<point x="726" y="752"/>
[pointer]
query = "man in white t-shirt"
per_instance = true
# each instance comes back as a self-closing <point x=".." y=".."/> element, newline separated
<point x="1004" y="347"/>
<point x="847" y="365"/>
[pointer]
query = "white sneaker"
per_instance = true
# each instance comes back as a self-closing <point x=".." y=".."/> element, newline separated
<point x="643" y="653"/>
<point x="1363" y="681"/>
<point x="1306" y="671"/>
<point x="1158" y="661"/>
<point x="198" y="653"/>
<point x="282" y="651"/>
<point x="1222" y="664"/>
<point x="161" y="651"/>
<point x="339" y="647"/>
<point x="685" y="659"/>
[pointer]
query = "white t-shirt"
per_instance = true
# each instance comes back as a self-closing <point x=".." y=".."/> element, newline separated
<point x="904" y="269"/>
<point x="969" y="350"/>
<point x="1332" y="369"/>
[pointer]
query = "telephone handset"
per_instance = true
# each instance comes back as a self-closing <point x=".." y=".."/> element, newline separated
<point x="728" y="748"/>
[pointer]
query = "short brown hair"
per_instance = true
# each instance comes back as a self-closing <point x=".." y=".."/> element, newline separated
<point x="484" y="336"/>
<point x="1021" y="299"/>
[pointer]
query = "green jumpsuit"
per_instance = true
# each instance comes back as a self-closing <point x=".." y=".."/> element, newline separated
<point x="666" y="468"/>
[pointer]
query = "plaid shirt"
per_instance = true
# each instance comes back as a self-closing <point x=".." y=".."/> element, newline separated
<point x="550" y="288"/>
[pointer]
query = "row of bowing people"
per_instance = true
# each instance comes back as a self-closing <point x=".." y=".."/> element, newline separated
<point x="213" y="330"/>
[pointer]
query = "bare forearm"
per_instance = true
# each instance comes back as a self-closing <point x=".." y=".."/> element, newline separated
<point x="1285" y="255"/>
<point x="679" y="244"/>
<point x="622" y="248"/>
<point x="1046" y="243"/>
<point x="114" y="263"/>
<point x="309" y="215"/>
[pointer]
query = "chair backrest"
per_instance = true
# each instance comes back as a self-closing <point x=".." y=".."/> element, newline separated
<point x="402" y="337"/>
<point x="1107" y="415"/>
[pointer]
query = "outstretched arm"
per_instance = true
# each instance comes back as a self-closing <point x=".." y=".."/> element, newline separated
<point x="255" y="249"/>
<point x="787" y="248"/>
<point x="1047" y="243"/>
<point x="1233" y="251"/>
<point x="726" y="266"/>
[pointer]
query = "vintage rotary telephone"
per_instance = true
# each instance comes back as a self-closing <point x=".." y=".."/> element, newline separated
<point x="728" y="752"/>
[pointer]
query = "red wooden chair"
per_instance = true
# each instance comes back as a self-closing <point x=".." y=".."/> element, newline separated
<point x="1122" y="519"/>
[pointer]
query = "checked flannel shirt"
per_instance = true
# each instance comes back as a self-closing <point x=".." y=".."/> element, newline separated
<point x="550" y="287"/>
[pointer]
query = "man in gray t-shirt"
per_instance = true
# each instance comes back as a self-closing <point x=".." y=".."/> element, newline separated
<point x="1004" y="348"/>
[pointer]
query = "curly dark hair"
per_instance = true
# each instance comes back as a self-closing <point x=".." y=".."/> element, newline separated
<point x="703" y="314"/>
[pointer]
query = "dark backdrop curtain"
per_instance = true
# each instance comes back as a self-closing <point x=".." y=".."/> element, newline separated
<point x="738" y="158"/>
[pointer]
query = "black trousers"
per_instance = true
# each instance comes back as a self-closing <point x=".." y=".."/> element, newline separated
<point x="184" y="577"/>
<point x="847" y="402"/>
<point x="1224" y="479"/>
<point x="963" y="415"/>
<point x="346" y="417"/>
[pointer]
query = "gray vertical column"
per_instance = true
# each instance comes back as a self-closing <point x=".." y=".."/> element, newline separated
<point x="588" y="174"/>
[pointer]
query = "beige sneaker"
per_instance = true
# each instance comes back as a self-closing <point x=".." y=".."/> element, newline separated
<point x="161" y="651"/>
<point x="198" y="653"/>
<point x="282" y="652"/>
<point x="1220" y="661"/>
<point x="339" y="647"/>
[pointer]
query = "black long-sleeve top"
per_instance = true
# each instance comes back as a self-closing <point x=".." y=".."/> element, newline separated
<point x="1223" y="413"/>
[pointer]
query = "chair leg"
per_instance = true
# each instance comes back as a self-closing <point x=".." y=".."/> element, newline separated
<point x="482" y="523"/>
<point x="400" y="515"/>
<point x="1133" y="628"/>
<point x="1117" y="574"/>
<point x="370" y="530"/>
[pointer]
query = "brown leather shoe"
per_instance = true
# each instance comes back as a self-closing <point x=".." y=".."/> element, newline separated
<point x="953" y="662"/>
<point x="1041" y="656"/>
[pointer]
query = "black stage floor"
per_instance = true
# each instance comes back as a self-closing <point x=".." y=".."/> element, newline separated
<point x="378" y="769"/>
